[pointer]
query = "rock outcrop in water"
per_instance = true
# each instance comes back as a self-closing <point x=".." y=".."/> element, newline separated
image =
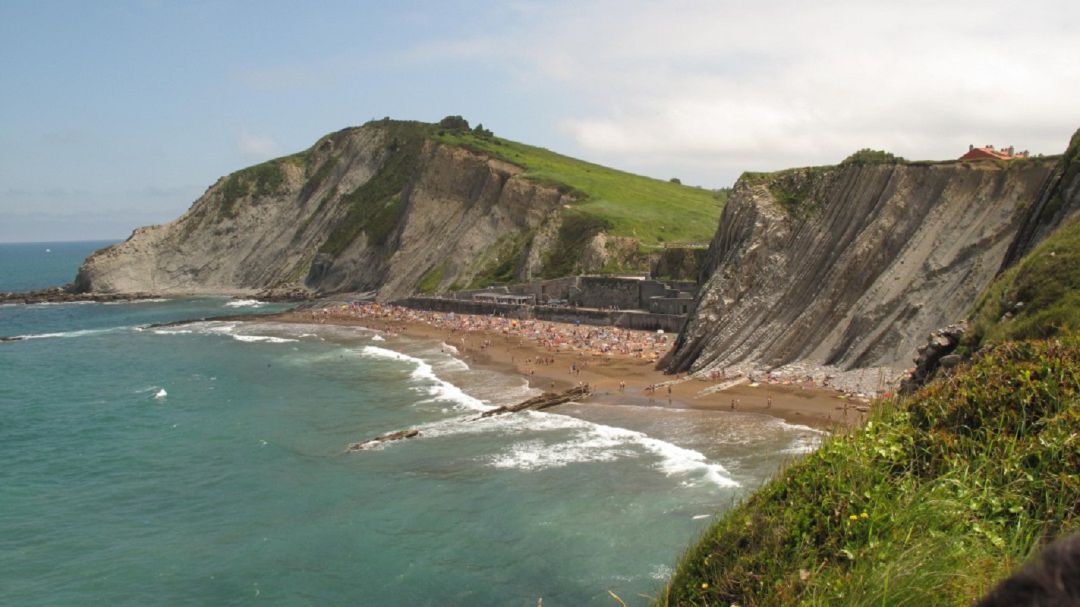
<point x="850" y="267"/>
<point x="536" y="403"/>
<point x="383" y="207"/>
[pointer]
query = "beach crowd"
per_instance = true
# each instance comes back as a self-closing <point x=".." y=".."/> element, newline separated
<point x="552" y="336"/>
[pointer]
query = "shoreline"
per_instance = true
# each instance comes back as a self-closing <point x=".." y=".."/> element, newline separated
<point x="613" y="379"/>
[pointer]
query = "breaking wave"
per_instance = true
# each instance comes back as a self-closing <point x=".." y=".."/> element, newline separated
<point x="70" y="334"/>
<point x="222" y="328"/>
<point x="588" y="442"/>
<point x="245" y="303"/>
<point x="424" y="373"/>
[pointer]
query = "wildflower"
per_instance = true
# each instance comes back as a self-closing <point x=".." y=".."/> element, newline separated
<point x="864" y="515"/>
<point x="853" y="517"/>
<point x="704" y="585"/>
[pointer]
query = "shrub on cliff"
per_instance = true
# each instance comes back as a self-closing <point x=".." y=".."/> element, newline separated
<point x="867" y="156"/>
<point x="932" y="502"/>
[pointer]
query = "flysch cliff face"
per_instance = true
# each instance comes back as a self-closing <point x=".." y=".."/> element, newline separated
<point x="380" y="207"/>
<point x="851" y="266"/>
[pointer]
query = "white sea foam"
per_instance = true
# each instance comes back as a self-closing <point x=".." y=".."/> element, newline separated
<point x="539" y="454"/>
<point x="806" y="439"/>
<point x="69" y="334"/>
<point x="436" y="387"/>
<point x="134" y="301"/>
<point x="172" y="331"/>
<point x="65" y="303"/>
<point x="377" y="337"/>
<point x="262" y="339"/>
<point x="454" y="364"/>
<point x="161" y="394"/>
<point x="661" y="572"/>
<point x="217" y="328"/>
<point x="223" y="328"/>
<point x="245" y="303"/>
<point x="589" y="442"/>
<point x="799" y="427"/>
<point x="803" y="444"/>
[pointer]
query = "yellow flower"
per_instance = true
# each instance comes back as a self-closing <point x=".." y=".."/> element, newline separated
<point x="704" y="585"/>
<point x="853" y="517"/>
<point x="864" y="515"/>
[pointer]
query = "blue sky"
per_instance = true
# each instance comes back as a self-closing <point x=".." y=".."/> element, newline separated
<point x="119" y="114"/>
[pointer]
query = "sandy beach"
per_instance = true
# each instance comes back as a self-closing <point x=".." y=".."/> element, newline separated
<point x="617" y="364"/>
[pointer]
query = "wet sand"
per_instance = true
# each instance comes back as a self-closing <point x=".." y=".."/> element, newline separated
<point x="815" y="407"/>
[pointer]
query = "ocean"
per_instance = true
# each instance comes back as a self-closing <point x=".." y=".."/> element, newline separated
<point x="204" y="464"/>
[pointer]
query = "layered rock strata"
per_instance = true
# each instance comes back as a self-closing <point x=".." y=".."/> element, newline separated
<point x="852" y="266"/>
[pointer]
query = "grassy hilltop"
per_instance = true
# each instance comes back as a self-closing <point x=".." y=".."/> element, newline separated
<point x="649" y="210"/>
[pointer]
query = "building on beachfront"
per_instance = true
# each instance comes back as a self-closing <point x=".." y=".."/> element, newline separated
<point x="989" y="152"/>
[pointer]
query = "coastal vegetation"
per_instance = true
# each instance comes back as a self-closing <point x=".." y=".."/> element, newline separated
<point x="1038" y="297"/>
<point x="652" y="211"/>
<point x="931" y="502"/>
<point x="577" y="229"/>
<point x="499" y="263"/>
<point x="264" y="179"/>
<point x="793" y="189"/>
<point x="868" y="156"/>
<point x="376" y="205"/>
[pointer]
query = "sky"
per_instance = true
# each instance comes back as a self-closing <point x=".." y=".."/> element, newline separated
<point x="115" y="115"/>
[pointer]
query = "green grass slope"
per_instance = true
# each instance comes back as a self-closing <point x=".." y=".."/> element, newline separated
<point x="652" y="211"/>
<point x="931" y="503"/>
<point x="1037" y="297"/>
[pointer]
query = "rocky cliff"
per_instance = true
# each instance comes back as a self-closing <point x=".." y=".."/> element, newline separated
<point x="852" y="266"/>
<point x="384" y="207"/>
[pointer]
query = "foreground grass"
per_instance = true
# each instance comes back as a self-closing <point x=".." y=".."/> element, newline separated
<point x="649" y="210"/>
<point x="931" y="503"/>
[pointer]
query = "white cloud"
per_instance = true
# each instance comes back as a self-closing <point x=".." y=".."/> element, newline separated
<point x="256" y="145"/>
<point x="709" y="89"/>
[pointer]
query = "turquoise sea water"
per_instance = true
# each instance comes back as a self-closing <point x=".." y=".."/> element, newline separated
<point x="203" y="464"/>
<point x="36" y="265"/>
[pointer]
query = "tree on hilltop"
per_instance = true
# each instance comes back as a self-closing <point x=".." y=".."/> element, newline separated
<point x="454" y="123"/>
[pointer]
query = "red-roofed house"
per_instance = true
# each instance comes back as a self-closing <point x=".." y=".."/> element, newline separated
<point x="988" y="151"/>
